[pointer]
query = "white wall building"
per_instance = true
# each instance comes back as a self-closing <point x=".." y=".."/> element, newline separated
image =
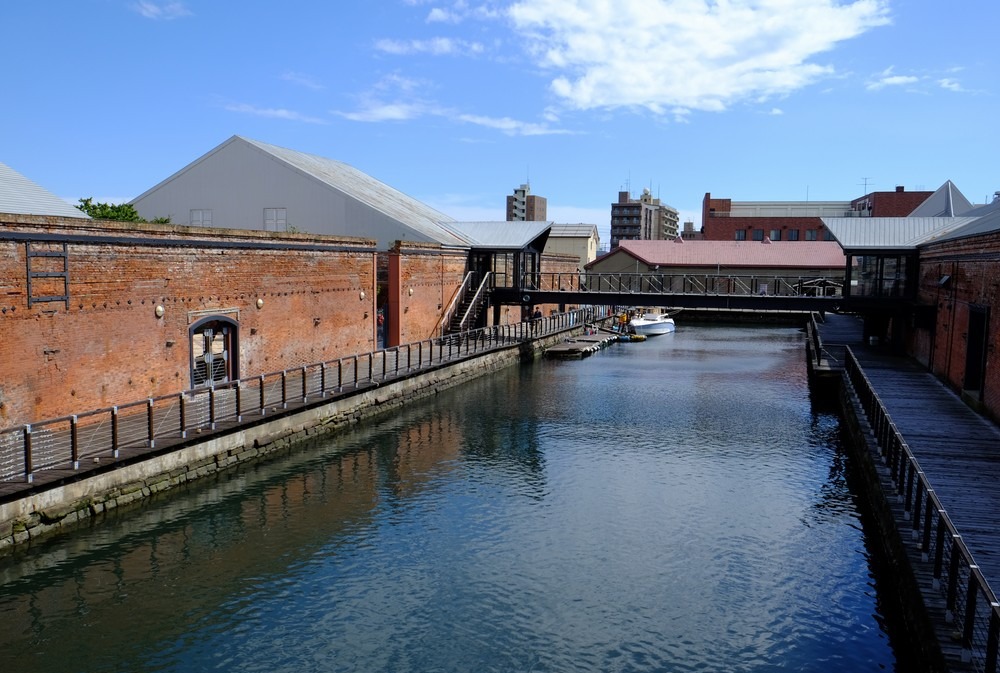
<point x="247" y="184"/>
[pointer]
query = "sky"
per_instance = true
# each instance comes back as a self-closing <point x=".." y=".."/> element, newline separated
<point x="458" y="102"/>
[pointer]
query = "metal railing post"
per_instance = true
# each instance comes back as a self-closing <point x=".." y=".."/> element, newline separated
<point x="305" y="386"/>
<point x="211" y="407"/>
<point x="284" y="389"/>
<point x="182" y="411"/>
<point x="114" y="431"/>
<point x="29" y="470"/>
<point x="74" y="441"/>
<point x="150" y="426"/>
<point x="238" y="391"/>
<point x="263" y="408"/>
<point x="939" y="551"/>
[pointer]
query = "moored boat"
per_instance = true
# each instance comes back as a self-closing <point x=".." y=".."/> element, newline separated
<point x="652" y="324"/>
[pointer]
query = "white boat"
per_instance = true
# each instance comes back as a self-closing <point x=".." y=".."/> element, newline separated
<point x="652" y="324"/>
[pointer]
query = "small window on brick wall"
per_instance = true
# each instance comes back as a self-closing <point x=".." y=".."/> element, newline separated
<point x="793" y="234"/>
<point x="758" y="234"/>
<point x="810" y="234"/>
<point x="741" y="234"/>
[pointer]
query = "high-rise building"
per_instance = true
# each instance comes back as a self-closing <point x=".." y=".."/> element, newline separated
<point x="523" y="206"/>
<point x="641" y="219"/>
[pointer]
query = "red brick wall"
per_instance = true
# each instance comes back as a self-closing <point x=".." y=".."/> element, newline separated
<point x="973" y="265"/>
<point x="710" y="205"/>
<point x="433" y="274"/>
<point x="891" y="204"/>
<point x="724" y="228"/>
<point x="109" y="347"/>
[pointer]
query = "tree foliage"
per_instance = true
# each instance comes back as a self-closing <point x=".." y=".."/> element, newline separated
<point x="121" y="212"/>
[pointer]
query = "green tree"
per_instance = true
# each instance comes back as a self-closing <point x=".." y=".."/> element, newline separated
<point x="122" y="212"/>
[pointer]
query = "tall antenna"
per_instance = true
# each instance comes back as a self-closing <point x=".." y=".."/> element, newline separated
<point x="527" y="175"/>
<point x="865" y="183"/>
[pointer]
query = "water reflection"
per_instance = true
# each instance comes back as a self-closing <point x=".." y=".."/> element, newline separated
<point x="661" y="506"/>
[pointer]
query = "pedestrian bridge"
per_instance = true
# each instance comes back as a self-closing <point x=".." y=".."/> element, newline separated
<point x="718" y="291"/>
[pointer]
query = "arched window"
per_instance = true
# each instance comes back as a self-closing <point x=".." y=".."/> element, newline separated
<point x="214" y="351"/>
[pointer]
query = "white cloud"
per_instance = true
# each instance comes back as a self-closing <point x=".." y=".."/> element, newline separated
<point x="161" y="10"/>
<point x="273" y="113"/>
<point x="669" y="56"/>
<point x="302" y="80"/>
<point x="776" y="112"/>
<point x="374" y="111"/>
<point x="438" y="46"/>
<point x="950" y="84"/>
<point x="459" y="11"/>
<point x="511" y="127"/>
<point x="438" y="15"/>
<point x="394" y="98"/>
<point x="891" y="80"/>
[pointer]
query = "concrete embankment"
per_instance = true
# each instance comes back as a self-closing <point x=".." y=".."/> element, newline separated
<point x="85" y="501"/>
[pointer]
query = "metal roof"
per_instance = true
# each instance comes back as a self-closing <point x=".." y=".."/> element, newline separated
<point x="947" y="201"/>
<point x="860" y="234"/>
<point x="572" y="230"/>
<point x="987" y="224"/>
<point x="790" y="254"/>
<point x="366" y="189"/>
<point x="21" y="196"/>
<point x="499" y="235"/>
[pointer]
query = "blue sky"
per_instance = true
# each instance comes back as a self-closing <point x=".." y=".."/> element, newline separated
<point x="457" y="102"/>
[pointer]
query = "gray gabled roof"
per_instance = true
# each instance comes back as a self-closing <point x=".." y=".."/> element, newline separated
<point x="870" y="234"/>
<point x="21" y="196"/>
<point x="573" y="230"/>
<point x="986" y="224"/>
<point x="500" y="235"/>
<point x="947" y="201"/>
<point x="366" y="189"/>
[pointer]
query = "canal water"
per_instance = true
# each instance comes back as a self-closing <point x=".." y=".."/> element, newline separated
<point x="672" y="505"/>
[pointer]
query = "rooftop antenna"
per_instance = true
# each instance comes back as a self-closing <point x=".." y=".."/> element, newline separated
<point x="865" y="183"/>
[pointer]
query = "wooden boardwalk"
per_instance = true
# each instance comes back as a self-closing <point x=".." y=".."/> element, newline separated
<point x="958" y="453"/>
<point x="958" y="449"/>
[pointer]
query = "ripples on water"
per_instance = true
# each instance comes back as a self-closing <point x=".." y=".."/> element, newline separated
<point x="674" y="505"/>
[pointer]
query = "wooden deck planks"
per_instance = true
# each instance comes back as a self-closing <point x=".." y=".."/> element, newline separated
<point x="957" y="449"/>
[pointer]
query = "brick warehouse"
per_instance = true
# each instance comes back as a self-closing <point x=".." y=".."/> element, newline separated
<point x="95" y="314"/>
<point x="960" y="278"/>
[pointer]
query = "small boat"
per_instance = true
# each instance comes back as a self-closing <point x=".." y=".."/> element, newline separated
<point x="651" y="324"/>
<point x="631" y="337"/>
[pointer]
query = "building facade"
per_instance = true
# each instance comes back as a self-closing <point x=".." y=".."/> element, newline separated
<point x="523" y="206"/>
<point x="642" y="219"/>
<point x="248" y="184"/>
<point x="580" y="240"/>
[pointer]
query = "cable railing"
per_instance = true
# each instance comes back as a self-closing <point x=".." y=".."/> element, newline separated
<point x="81" y="441"/>
<point x="970" y="604"/>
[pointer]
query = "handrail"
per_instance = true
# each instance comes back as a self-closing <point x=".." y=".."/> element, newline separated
<point x="655" y="282"/>
<point x="448" y="312"/>
<point x="476" y="299"/>
<point x="970" y="602"/>
<point x="83" y="440"/>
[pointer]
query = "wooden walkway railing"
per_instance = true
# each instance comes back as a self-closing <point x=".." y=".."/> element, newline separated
<point x="58" y="447"/>
<point x="970" y="605"/>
